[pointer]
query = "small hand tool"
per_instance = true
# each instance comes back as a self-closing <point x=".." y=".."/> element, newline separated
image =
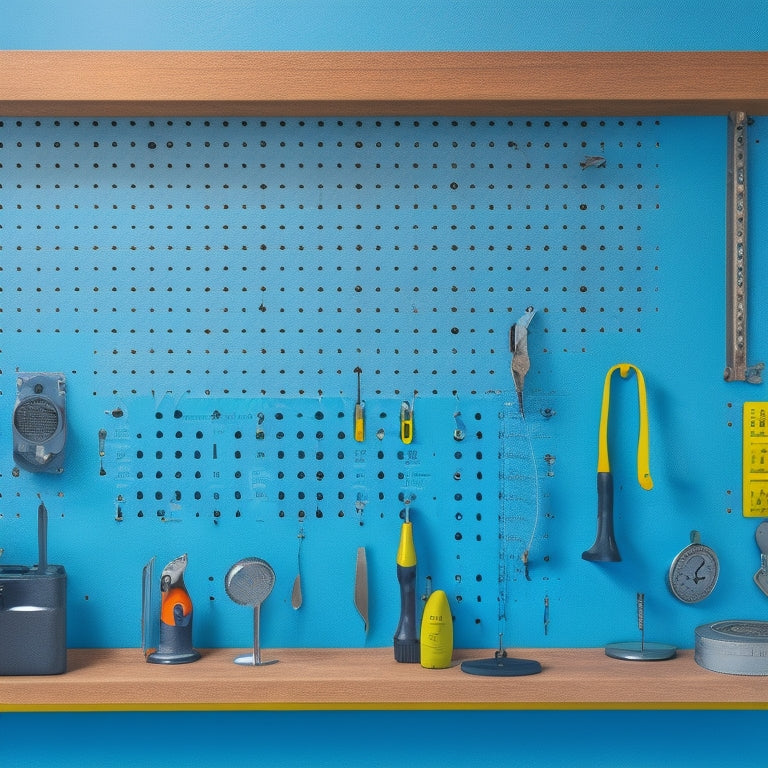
<point x="102" y="440"/>
<point x="406" y="420"/>
<point x="592" y="161"/>
<point x="459" y="431"/>
<point x="361" y="585"/>
<point x="296" y="596"/>
<point x="359" y="427"/>
<point x="406" y="642"/>
<point x="604" y="549"/>
<point x="518" y="346"/>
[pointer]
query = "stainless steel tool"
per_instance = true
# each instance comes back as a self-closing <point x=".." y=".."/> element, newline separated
<point x="296" y="595"/>
<point x="518" y="346"/>
<point x="736" y="271"/>
<point x="633" y="650"/>
<point x="249" y="582"/>
<point x="361" y="585"/>
<point x="761" y="537"/>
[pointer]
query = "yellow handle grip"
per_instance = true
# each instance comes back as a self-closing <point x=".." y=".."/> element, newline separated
<point x="643" y="445"/>
<point x="359" y="423"/>
<point x="406" y="423"/>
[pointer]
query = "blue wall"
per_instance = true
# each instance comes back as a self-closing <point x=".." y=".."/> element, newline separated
<point x="393" y="25"/>
<point x="483" y="738"/>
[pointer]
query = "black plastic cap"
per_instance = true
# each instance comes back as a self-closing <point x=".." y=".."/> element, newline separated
<point x="407" y="651"/>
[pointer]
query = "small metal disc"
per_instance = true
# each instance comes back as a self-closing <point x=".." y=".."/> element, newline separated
<point x="640" y="651"/>
<point x="694" y="572"/>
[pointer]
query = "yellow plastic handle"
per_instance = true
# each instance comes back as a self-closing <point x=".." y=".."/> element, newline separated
<point x="643" y="445"/>
<point x="359" y="422"/>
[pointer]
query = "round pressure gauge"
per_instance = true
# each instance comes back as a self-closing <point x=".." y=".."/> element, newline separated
<point x="693" y="573"/>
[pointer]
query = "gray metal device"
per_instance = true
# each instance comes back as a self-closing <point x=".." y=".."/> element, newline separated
<point x="40" y="422"/>
<point x="33" y="613"/>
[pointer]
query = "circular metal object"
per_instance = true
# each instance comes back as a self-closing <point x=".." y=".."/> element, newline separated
<point x="640" y="651"/>
<point x="734" y="647"/>
<point x="36" y="419"/>
<point x="694" y="572"/>
<point x="249" y="582"/>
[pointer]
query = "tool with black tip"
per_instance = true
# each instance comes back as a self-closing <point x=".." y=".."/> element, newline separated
<point x="359" y="421"/>
<point x="605" y="549"/>
<point x="406" y="420"/>
<point x="406" y="641"/>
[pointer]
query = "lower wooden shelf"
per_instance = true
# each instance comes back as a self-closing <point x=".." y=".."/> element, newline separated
<point x="342" y="678"/>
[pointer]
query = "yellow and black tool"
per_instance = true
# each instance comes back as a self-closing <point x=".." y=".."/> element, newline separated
<point x="406" y="640"/>
<point x="406" y="420"/>
<point x="359" y="422"/>
<point x="605" y="549"/>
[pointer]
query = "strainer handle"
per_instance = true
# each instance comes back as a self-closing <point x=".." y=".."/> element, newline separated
<point x="256" y="641"/>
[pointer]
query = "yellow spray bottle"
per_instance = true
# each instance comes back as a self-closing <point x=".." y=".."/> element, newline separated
<point x="436" y="632"/>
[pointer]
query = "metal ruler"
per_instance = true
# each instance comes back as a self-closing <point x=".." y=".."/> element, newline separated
<point x="736" y="368"/>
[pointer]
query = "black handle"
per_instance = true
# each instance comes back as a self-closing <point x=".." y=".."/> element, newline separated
<point x="604" y="549"/>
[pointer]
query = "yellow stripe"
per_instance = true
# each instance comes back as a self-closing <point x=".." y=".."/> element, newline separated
<point x="391" y="706"/>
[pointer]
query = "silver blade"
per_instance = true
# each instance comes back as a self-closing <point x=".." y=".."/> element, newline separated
<point x="361" y="585"/>
<point x="296" y="597"/>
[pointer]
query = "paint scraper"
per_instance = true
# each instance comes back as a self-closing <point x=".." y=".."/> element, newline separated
<point x="361" y="585"/>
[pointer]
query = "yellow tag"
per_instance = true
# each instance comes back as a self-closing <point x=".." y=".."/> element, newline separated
<point x="755" y="460"/>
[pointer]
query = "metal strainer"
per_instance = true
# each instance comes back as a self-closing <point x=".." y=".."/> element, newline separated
<point x="249" y="582"/>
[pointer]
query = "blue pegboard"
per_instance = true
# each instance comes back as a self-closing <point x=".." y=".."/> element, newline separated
<point x="209" y="286"/>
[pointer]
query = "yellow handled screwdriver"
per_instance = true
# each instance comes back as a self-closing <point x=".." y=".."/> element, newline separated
<point x="406" y="420"/>
<point x="406" y="642"/>
<point x="359" y="430"/>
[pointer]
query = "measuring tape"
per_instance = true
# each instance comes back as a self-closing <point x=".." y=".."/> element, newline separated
<point x="733" y="647"/>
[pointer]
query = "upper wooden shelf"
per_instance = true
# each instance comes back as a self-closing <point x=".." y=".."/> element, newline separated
<point x="355" y="678"/>
<point x="301" y="83"/>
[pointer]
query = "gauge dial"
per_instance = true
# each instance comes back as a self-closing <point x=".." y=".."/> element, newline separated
<point x="693" y="573"/>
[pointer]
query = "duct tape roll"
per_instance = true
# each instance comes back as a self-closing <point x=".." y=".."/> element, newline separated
<point x="734" y="647"/>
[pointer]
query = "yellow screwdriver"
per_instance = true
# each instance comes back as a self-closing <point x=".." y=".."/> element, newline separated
<point x="359" y="411"/>
<point x="406" y="643"/>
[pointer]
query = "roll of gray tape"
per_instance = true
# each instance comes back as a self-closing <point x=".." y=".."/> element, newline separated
<point x="735" y="647"/>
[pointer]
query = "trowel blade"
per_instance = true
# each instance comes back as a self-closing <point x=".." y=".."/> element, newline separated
<point x="361" y="585"/>
<point x="761" y="579"/>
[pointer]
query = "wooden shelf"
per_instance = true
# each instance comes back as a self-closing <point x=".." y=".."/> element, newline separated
<point x="120" y="679"/>
<point x="293" y="83"/>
